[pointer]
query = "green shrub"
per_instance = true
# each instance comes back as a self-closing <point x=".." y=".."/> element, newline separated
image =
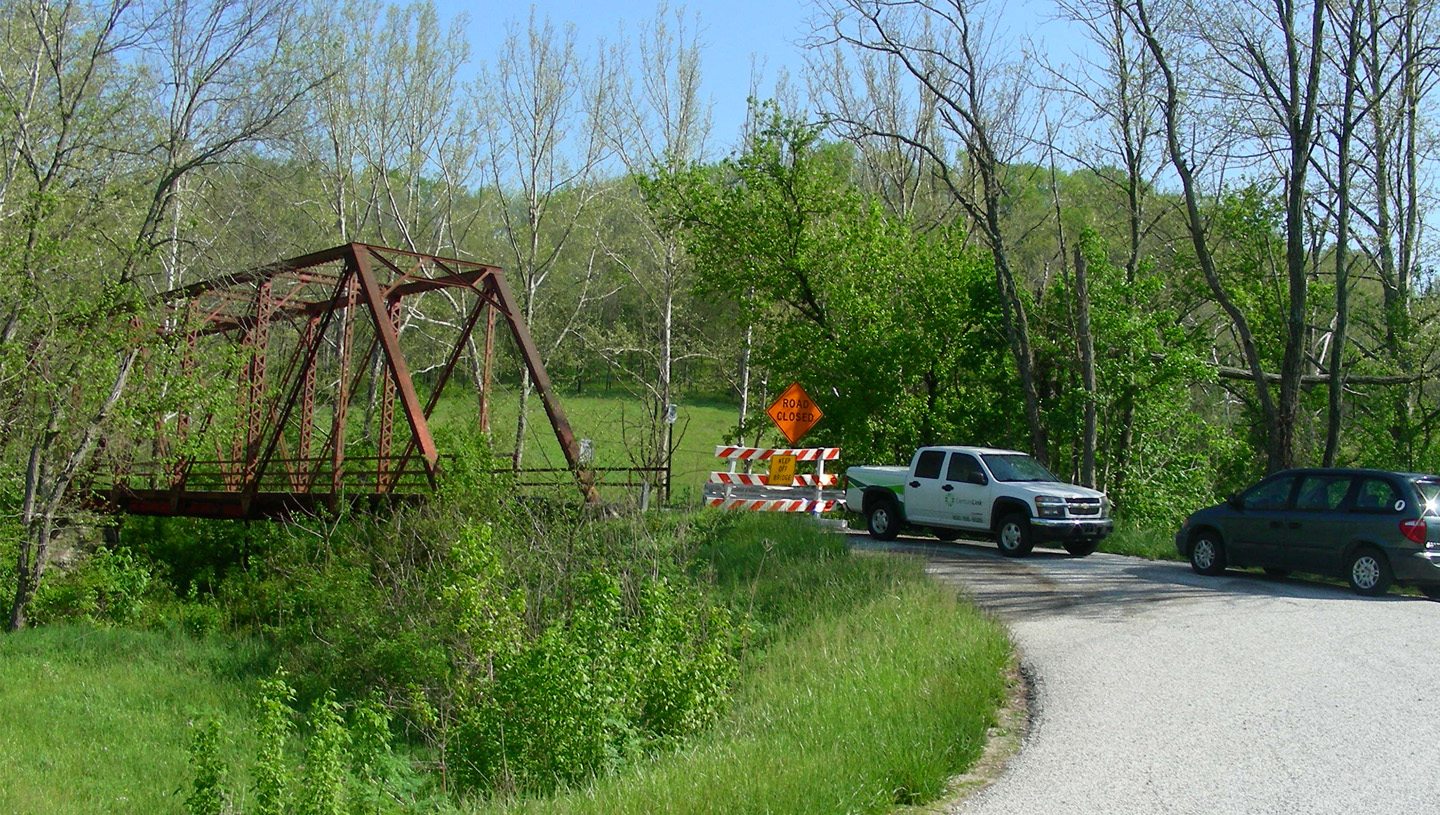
<point x="270" y="774"/>
<point x="861" y="701"/>
<point x="209" y="773"/>
<point x="198" y="554"/>
<point x="325" y="777"/>
<point x="108" y="587"/>
<point x="597" y="690"/>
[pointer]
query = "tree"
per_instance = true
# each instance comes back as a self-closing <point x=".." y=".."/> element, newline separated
<point x="893" y="329"/>
<point x="1398" y="73"/>
<point x="948" y="51"/>
<point x="91" y="173"/>
<point x="658" y="124"/>
<point x="540" y="105"/>
<point x="1176" y="125"/>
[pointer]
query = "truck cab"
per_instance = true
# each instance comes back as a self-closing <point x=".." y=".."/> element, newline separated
<point x="955" y="491"/>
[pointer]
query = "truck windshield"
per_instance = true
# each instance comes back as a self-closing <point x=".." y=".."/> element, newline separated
<point x="1017" y="467"/>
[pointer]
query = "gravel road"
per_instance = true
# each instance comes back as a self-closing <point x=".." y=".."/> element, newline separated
<point x="1157" y="690"/>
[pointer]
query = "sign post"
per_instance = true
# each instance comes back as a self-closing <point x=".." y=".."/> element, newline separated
<point x="795" y="413"/>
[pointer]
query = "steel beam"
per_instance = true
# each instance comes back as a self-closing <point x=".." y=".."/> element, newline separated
<point x="390" y="344"/>
<point x="558" y="421"/>
<point x="342" y="395"/>
<point x="387" y="400"/>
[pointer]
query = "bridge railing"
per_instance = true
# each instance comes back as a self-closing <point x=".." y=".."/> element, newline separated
<point x="358" y="475"/>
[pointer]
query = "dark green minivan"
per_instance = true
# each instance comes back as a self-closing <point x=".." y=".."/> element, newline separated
<point x="1372" y="527"/>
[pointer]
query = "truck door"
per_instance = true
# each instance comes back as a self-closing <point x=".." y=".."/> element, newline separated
<point x="924" y="498"/>
<point x="964" y="493"/>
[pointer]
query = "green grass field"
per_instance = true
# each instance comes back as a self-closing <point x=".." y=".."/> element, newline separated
<point x="98" y="720"/>
<point x="615" y="423"/>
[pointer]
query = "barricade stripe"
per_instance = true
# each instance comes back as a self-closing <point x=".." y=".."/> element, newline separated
<point x="765" y="453"/>
<point x="773" y="506"/>
<point x="762" y="480"/>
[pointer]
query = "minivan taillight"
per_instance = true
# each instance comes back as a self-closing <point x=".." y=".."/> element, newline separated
<point x="1414" y="530"/>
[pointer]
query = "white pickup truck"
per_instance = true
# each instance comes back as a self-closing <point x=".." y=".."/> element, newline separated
<point x="955" y="491"/>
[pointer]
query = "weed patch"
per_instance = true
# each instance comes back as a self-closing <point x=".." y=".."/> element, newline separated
<point x="1152" y="543"/>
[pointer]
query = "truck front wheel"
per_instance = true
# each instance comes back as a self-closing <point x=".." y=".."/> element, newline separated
<point x="1013" y="535"/>
<point x="883" y="520"/>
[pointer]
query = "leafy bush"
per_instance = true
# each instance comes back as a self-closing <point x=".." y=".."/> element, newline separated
<point x="598" y="689"/>
<point x="107" y="588"/>
<point x="209" y="773"/>
<point x="541" y="646"/>
<point x="874" y="687"/>
<point x="347" y="769"/>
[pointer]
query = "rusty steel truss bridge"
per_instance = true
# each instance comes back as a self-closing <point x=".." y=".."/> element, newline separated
<point x="284" y="361"/>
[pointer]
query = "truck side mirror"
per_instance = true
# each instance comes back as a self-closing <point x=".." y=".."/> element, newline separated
<point x="1233" y="501"/>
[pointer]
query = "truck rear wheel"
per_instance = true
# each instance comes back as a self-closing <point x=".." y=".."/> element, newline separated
<point x="883" y="520"/>
<point x="1013" y="535"/>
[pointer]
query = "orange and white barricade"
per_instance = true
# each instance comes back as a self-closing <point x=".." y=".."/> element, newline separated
<point x="814" y="493"/>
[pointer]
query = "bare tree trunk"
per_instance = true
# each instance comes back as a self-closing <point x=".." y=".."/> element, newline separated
<point x="1344" y="136"/>
<point x="1087" y="369"/>
<point x="45" y="494"/>
<point x="745" y="381"/>
<point x="1195" y="224"/>
<point x="667" y="350"/>
<point x="1300" y="76"/>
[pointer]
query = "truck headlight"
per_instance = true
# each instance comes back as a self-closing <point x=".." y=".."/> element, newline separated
<point x="1049" y="506"/>
<point x="1105" y="506"/>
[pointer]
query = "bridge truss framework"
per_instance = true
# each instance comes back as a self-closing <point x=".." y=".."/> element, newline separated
<point x="305" y="336"/>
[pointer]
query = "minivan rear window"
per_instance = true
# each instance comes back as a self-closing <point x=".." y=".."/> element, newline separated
<point x="1430" y="493"/>
<point x="1377" y="495"/>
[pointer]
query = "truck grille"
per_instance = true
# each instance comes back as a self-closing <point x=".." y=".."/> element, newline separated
<point x="1083" y="506"/>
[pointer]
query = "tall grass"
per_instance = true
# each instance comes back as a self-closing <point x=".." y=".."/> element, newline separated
<point x="874" y="687"/>
<point x="864" y="686"/>
<point x="99" y="720"/>
<point x="1141" y="540"/>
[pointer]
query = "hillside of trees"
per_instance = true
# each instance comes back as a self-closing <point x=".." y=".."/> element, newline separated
<point x="1201" y="253"/>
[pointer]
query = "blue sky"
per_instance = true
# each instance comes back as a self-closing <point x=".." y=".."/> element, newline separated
<point x="735" y="34"/>
<point x="732" y="32"/>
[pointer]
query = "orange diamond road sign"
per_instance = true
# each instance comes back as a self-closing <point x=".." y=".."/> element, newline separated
<point x="794" y="412"/>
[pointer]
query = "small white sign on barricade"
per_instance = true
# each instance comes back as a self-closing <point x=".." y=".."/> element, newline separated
<point x="807" y="492"/>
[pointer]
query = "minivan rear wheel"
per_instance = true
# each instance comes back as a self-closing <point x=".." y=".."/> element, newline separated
<point x="1207" y="553"/>
<point x="1369" y="572"/>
